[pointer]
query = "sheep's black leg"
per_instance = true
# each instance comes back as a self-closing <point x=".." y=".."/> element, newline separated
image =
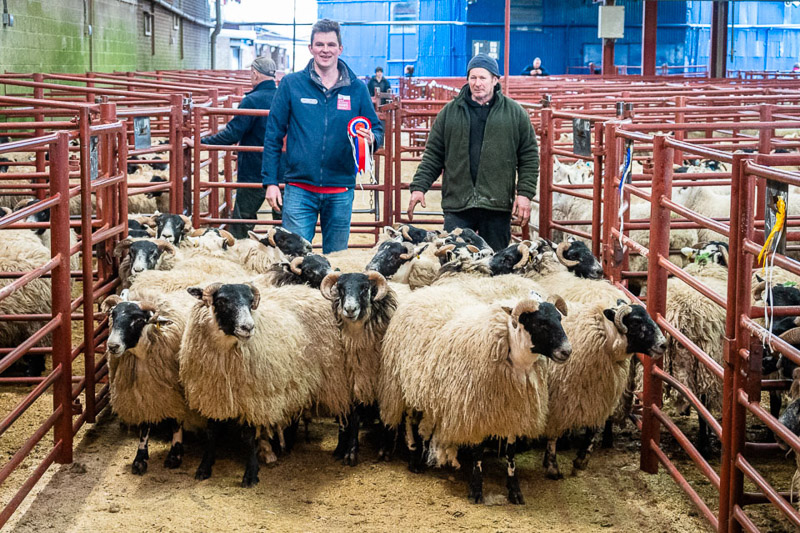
<point x="551" y="461"/>
<point x="388" y="441"/>
<point x="351" y="451"/>
<point x="306" y="422"/>
<point x="210" y="453"/>
<point x="250" y="477"/>
<point x="416" y="461"/>
<point x="476" y="476"/>
<point x="290" y="437"/>
<point x="512" y="481"/>
<point x="585" y="450"/>
<point x="703" y="441"/>
<point x="139" y="466"/>
<point x="775" y="402"/>
<point x="175" y="455"/>
<point x="608" y="434"/>
<point x="341" y="443"/>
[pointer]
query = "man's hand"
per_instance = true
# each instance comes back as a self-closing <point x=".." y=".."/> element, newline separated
<point x="418" y="197"/>
<point x="274" y="197"/>
<point x="367" y="134"/>
<point x="521" y="212"/>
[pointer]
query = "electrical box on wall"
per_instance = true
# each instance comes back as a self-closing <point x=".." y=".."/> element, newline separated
<point x="611" y="22"/>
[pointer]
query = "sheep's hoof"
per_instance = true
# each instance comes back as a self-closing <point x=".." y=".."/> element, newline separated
<point x="350" y="459"/>
<point x="250" y="478"/>
<point x="553" y="473"/>
<point x="384" y="455"/>
<point x="476" y="495"/>
<point x="580" y="463"/>
<point x="139" y="467"/>
<point x="515" y="497"/>
<point x="174" y="457"/>
<point x="203" y="472"/>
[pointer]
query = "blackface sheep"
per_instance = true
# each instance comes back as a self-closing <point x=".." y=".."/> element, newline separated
<point x="363" y="305"/>
<point x="309" y="269"/>
<point x="235" y="363"/>
<point x="142" y="353"/>
<point x="291" y="244"/>
<point x="584" y="391"/>
<point x="141" y="255"/>
<point x="465" y="371"/>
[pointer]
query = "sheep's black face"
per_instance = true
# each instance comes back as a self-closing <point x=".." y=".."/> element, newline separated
<point x="232" y="306"/>
<point x="156" y="194"/>
<point x="4" y="139"/>
<point x="4" y="168"/>
<point x="415" y="235"/>
<point x="469" y="237"/>
<point x="588" y="266"/>
<point x="127" y="322"/>
<point x="643" y="335"/>
<point x="784" y="364"/>
<point x="314" y="268"/>
<point x="41" y="216"/>
<point x="354" y="293"/>
<point x="159" y="166"/>
<point x="170" y="227"/>
<point x="547" y="335"/>
<point x="783" y="296"/>
<point x="503" y="262"/>
<point x="291" y="244"/>
<point x="714" y="252"/>
<point x="144" y="256"/>
<point x="791" y="419"/>
<point x="132" y="167"/>
<point x="389" y="258"/>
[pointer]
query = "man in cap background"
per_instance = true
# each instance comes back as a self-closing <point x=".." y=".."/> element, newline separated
<point x="380" y="84"/>
<point x="486" y="146"/>
<point x="248" y="130"/>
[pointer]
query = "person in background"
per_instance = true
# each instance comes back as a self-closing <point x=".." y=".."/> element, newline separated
<point x="535" y="69"/>
<point x="796" y="67"/>
<point x="312" y="109"/>
<point x="248" y="130"/>
<point x="379" y="84"/>
<point x="409" y="71"/>
<point x="486" y="146"/>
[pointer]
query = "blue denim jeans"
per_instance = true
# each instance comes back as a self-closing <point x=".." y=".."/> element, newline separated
<point x="301" y="208"/>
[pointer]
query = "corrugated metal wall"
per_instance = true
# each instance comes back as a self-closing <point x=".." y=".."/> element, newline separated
<point x="567" y="37"/>
<point x="758" y="43"/>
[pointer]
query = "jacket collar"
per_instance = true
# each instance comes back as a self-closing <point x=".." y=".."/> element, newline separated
<point x="266" y="84"/>
<point x="346" y="76"/>
<point x="464" y="94"/>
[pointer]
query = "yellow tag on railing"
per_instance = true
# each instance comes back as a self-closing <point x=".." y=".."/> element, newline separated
<point x="780" y="219"/>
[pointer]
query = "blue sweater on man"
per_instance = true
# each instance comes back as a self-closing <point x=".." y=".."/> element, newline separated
<point x="248" y="130"/>
<point x="314" y="121"/>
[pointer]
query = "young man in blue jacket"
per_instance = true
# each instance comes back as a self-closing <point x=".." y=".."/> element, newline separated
<point x="248" y="130"/>
<point x="312" y="110"/>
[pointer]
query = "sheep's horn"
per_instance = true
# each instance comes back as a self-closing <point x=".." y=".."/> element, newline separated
<point x="256" y="296"/>
<point x="404" y="231"/>
<point x="562" y="248"/>
<point x="109" y="303"/>
<point x="147" y="306"/>
<point x="294" y="265"/>
<point x="410" y="251"/>
<point x="326" y="287"/>
<point x="271" y="237"/>
<point x="209" y="292"/>
<point x="380" y="283"/>
<point x="758" y="289"/>
<point x="187" y="222"/>
<point x="622" y="312"/>
<point x="724" y="252"/>
<point x="197" y="232"/>
<point x="525" y="306"/>
<point x="122" y="246"/>
<point x="148" y="221"/>
<point x="791" y="336"/>
<point x="444" y="250"/>
<point x="526" y="255"/>
<point x="473" y="249"/>
<point x="457" y="231"/>
<point x="559" y="303"/>
<point x="164" y="246"/>
<point x="254" y="236"/>
<point x="228" y="237"/>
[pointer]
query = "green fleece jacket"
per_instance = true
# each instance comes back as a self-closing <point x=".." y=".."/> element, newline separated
<point x="509" y="149"/>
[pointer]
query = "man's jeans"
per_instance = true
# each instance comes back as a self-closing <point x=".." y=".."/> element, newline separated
<point x="300" y="210"/>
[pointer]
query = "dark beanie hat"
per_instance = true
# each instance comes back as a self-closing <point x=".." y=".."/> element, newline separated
<point x="484" y="61"/>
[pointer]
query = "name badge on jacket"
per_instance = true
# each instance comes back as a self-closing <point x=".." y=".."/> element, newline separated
<point x="308" y="100"/>
<point x="343" y="102"/>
